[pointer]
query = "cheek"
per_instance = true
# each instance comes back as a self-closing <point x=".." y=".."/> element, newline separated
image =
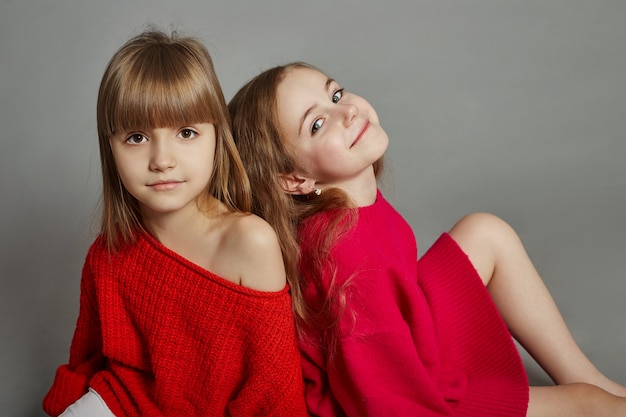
<point x="127" y="174"/>
<point x="123" y="166"/>
<point x="323" y="159"/>
<point x="365" y="105"/>
<point x="204" y="161"/>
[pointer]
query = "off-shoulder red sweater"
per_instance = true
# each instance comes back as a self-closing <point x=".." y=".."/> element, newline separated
<point x="159" y="336"/>
<point x="417" y="338"/>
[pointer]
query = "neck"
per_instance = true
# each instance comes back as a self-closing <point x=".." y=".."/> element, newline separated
<point x="361" y="189"/>
<point x="364" y="196"/>
<point x="179" y="225"/>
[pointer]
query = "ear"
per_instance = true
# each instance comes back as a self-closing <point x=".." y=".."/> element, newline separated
<point x="294" y="184"/>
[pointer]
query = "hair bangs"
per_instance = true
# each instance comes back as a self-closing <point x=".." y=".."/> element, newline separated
<point x="164" y="88"/>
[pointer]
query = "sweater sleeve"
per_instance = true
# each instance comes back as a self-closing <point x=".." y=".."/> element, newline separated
<point x="419" y="338"/>
<point x="72" y="379"/>
<point x="376" y="369"/>
<point x="273" y="385"/>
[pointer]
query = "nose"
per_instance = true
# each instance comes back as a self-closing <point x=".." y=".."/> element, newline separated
<point x="350" y="112"/>
<point x="161" y="156"/>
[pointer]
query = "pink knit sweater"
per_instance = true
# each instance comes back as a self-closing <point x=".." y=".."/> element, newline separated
<point x="417" y="338"/>
<point x="159" y="336"/>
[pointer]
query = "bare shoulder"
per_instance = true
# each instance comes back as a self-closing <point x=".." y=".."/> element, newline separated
<point x="250" y="229"/>
<point x="254" y="244"/>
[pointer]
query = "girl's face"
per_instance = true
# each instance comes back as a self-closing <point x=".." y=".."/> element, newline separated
<point x="336" y="134"/>
<point x="165" y="169"/>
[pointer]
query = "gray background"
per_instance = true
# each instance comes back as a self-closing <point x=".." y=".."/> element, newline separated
<point x="512" y="107"/>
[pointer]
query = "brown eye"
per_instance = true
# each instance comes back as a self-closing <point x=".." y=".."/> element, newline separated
<point x="136" y="139"/>
<point x="187" y="134"/>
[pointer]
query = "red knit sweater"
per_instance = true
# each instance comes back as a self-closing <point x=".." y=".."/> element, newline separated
<point x="416" y="339"/>
<point x="159" y="336"/>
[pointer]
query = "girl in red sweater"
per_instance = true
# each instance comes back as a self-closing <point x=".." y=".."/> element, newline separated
<point x="384" y="336"/>
<point x="184" y="308"/>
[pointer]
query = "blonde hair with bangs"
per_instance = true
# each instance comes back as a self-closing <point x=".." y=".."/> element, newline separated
<point x="160" y="80"/>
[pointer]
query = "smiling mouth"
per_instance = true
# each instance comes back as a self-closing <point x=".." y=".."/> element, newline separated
<point x="358" y="138"/>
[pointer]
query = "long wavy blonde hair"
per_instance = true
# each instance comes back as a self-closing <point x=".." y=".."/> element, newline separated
<point x="266" y="153"/>
<point x="157" y="80"/>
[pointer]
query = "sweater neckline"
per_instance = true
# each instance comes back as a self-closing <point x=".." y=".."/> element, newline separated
<point x="154" y="242"/>
<point x="375" y="205"/>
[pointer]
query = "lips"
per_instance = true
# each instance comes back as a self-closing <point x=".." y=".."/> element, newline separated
<point x="165" y="185"/>
<point x="360" y="135"/>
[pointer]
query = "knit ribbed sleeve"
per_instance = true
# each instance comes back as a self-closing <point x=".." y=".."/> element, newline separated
<point x="417" y="338"/>
<point x="159" y="336"/>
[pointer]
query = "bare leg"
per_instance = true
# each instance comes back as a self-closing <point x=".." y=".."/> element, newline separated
<point x="574" y="400"/>
<point x="524" y="301"/>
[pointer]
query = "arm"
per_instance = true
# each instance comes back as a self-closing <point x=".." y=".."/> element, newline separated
<point x="374" y="376"/>
<point x="273" y="384"/>
<point x="72" y="379"/>
<point x="378" y="368"/>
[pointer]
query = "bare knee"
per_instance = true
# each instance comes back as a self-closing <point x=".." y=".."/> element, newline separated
<point x="484" y="226"/>
<point x="481" y="236"/>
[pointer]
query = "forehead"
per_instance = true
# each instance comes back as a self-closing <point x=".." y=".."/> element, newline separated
<point x="299" y="91"/>
<point x="302" y="81"/>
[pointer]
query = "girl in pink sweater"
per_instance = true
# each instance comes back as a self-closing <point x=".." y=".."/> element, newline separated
<point x="184" y="308"/>
<point x="384" y="335"/>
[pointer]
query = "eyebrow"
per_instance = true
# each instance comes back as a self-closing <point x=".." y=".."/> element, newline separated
<point x="329" y="81"/>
